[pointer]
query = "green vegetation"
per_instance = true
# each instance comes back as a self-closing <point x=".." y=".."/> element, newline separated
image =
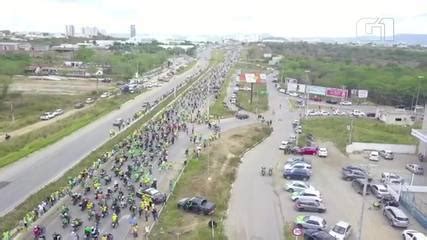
<point x="219" y="108"/>
<point x="21" y="146"/>
<point x="259" y="99"/>
<point x="10" y="220"/>
<point x="334" y="129"/>
<point x="84" y="54"/>
<point x="390" y="74"/>
<point x="224" y="161"/>
<point x="11" y="64"/>
<point x="188" y="67"/>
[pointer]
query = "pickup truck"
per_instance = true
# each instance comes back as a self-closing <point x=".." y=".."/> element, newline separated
<point x="199" y="205"/>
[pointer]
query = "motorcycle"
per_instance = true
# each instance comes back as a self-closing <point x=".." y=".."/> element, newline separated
<point x="421" y="157"/>
<point x="262" y="171"/>
<point x="65" y="218"/>
<point x="270" y="171"/>
<point x="76" y="223"/>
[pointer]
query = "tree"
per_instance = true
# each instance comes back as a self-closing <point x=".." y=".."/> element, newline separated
<point x="84" y="54"/>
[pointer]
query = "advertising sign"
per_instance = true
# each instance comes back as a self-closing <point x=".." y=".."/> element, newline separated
<point x="316" y="90"/>
<point x="336" y="92"/>
<point x="301" y="88"/>
<point x="362" y="94"/>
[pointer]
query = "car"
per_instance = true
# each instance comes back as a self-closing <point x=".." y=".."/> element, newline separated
<point x="299" y="165"/>
<point x="415" y="168"/>
<point x="316" y="98"/>
<point x="79" y="105"/>
<point x="314" y="234"/>
<point x="410" y="234"/>
<point x="242" y="116"/>
<point x="157" y="196"/>
<point x="46" y="116"/>
<point x="371" y="114"/>
<point x="58" y="112"/>
<point x="292" y="138"/>
<point x="323" y="152"/>
<point x="374" y="156"/>
<point x="324" y="113"/>
<point x="332" y="101"/>
<point x="396" y="217"/>
<point x="293" y="94"/>
<point x="298" y="186"/>
<point x="307" y="151"/>
<point x="379" y="190"/>
<point x="389" y="200"/>
<point x="282" y="90"/>
<point x="346" y="103"/>
<point x="105" y="95"/>
<point x="284" y="145"/>
<point x="310" y="222"/>
<point x="351" y="167"/>
<point x="393" y="178"/>
<point x="89" y="100"/>
<point x="358" y="113"/>
<point x="118" y="123"/>
<point x="358" y="185"/>
<point x="307" y="194"/>
<point x="386" y="154"/>
<point x="350" y="175"/>
<point x="297" y="159"/>
<point x="341" y="230"/>
<point x="199" y="205"/>
<point x="309" y="205"/>
<point x="297" y="174"/>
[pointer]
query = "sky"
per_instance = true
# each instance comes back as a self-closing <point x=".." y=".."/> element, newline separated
<point x="288" y="18"/>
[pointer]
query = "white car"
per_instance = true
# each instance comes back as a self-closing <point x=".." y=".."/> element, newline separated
<point x="323" y="152"/>
<point x="58" y="112"/>
<point x="324" y="113"/>
<point x="308" y="194"/>
<point x="46" y="116"/>
<point x="413" y="235"/>
<point x="293" y="94"/>
<point x="105" y="95"/>
<point x="341" y="230"/>
<point x="282" y="90"/>
<point x="374" y="156"/>
<point x="358" y="113"/>
<point x="346" y="103"/>
<point x="283" y="145"/>
<point x="300" y="165"/>
<point x="298" y="186"/>
<point x="393" y="178"/>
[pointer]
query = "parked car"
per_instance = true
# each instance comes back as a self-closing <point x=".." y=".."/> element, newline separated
<point x="415" y="168"/>
<point x="157" y="196"/>
<point x="410" y="234"/>
<point x="316" y="98"/>
<point x="198" y="205"/>
<point x="298" y="186"/>
<point x="396" y="217"/>
<point x="386" y="154"/>
<point x="310" y="222"/>
<point x="350" y="175"/>
<point x="307" y="151"/>
<point x="379" y="190"/>
<point x="58" y="112"/>
<point x="307" y="194"/>
<point x="358" y="185"/>
<point x="323" y="152"/>
<point x="118" y="122"/>
<point x="298" y="165"/>
<point x="309" y="205"/>
<point x="358" y="113"/>
<point x="351" y="167"/>
<point x="284" y="145"/>
<point x="282" y="90"/>
<point x="89" y="100"/>
<point x="314" y="234"/>
<point x="346" y="103"/>
<point x="393" y="178"/>
<point x="105" y="95"/>
<point x="79" y="105"/>
<point x="332" y="101"/>
<point x="46" y="116"/>
<point x="242" y="116"/>
<point x="374" y="156"/>
<point x="341" y="230"/>
<point x="297" y="174"/>
<point x="296" y="159"/>
<point x="371" y="114"/>
<point x="293" y="94"/>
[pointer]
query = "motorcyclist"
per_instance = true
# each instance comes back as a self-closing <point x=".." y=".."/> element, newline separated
<point x="88" y="231"/>
<point x="135" y="230"/>
<point x="114" y="219"/>
<point x="38" y="232"/>
<point x="56" y="236"/>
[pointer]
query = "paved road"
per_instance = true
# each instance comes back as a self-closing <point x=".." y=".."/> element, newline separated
<point x="254" y="209"/>
<point x="27" y="176"/>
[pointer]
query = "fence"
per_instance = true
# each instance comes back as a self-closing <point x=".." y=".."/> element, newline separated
<point x="416" y="205"/>
<point x="396" y="148"/>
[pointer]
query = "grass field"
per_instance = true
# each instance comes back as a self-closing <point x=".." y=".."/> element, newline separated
<point x="259" y="100"/>
<point x="219" y="109"/>
<point x="364" y="130"/>
<point x="10" y="220"/>
<point x="223" y="162"/>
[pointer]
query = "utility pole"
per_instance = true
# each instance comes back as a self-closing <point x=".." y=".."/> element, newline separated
<point x="362" y="213"/>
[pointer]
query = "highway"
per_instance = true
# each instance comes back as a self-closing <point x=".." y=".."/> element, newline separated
<point x="25" y="177"/>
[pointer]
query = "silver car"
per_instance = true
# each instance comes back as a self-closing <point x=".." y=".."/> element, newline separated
<point x="396" y="217"/>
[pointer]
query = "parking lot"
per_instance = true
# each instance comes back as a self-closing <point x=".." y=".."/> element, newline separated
<point x="341" y="200"/>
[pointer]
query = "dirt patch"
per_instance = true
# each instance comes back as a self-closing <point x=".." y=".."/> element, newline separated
<point x="210" y="176"/>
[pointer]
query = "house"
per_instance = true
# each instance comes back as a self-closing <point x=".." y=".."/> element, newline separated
<point x="396" y="117"/>
<point x="73" y="63"/>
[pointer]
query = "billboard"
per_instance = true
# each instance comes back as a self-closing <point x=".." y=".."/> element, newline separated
<point x="362" y="94"/>
<point x="252" y="77"/>
<point x="316" y="90"/>
<point x="336" y="92"/>
<point x="295" y="87"/>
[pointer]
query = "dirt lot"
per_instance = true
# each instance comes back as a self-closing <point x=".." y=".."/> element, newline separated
<point x="342" y="201"/>
<point x="64" y="86"/>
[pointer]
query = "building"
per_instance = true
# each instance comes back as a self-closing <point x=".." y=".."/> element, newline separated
<point x="396" y="117"/>
<point x="69" y="31"/>
<point x="14" y="46"/>
<point x="132" y="31"/>
<point x="421" y="135"/>
<point x="90" y="31"/>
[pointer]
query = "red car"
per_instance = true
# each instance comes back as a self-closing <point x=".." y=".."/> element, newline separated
<point x="307" y="151"/>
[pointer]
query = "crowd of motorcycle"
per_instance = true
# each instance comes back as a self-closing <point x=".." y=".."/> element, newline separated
<point x="95" y="200"/>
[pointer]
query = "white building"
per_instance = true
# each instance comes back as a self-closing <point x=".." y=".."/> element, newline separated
<point x="70" y="31"/>
<point x="132" y="31"/>
<point x="90" y="31"/>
